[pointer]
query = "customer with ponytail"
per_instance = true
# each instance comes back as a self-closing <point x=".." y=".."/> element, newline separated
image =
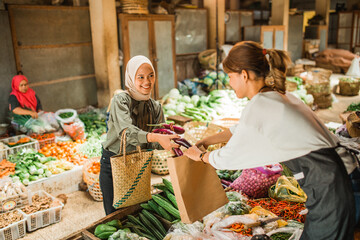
<point x="275" y="126"/>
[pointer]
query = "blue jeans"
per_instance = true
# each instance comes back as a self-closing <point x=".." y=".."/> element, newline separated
<point x="355" y="181"/>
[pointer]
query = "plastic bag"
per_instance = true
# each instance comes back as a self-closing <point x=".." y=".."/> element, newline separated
<point x="182" y="231"/>
<point x="287" y="189"/>
<point x="354" y="69"/>
<point x="255" y="182"/>
<point x="296" y="232"/>
<point x="66" y="120"/>
<point x="35" y="126"/>
<point x="49" y="118"/>
<point x="75" y="129"/>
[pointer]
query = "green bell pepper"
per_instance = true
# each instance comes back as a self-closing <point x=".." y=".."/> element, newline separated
<point x="104" y="231"/>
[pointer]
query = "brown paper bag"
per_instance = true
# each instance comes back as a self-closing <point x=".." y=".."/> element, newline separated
<point x="197" y="188"/>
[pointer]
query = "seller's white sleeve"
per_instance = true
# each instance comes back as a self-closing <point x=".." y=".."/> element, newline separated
<point x="247" y="148"/>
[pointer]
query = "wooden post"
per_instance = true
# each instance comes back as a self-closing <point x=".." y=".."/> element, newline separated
<point x="104" y="34"/>
<point x="210" y="5"/>
<point x="234" y="4"/>
<point x="280" y="16"/>
<point x="322" y="7"/>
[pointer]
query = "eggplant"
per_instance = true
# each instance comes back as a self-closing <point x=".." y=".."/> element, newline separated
<point x="163" y="131"/>
<point x="183" y="142"/>
<point x="172" y="127"/>
<point x="178" y="152"/>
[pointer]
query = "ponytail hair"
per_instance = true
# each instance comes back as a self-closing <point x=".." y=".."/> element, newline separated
<point x="278" y="62"/>
<point x="270" y="64"/>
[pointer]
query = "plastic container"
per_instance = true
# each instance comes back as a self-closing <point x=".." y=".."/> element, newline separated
<point x="92" y="180"/>
<point x="12" y="195"/>
<point x="44" y="142"/>
<point x="15" y="230"/>
<point x="34" y="144"/>
<point x="43" y="218"/>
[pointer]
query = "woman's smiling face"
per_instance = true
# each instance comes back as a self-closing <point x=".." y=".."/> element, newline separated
<point x="144" y="79"/>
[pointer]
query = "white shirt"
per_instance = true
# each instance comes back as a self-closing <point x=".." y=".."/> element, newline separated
<point x="273" y="128"/>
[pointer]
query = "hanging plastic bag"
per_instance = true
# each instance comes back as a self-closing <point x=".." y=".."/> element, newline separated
<point x="35" y="126"/>
<point x="66" y="115"/>
<point x="50" y="119"/>
<point x="255" y="182"/>
<point x="287" y="189"/>
<point x="75" y="129"/>
<point x="354" y="69"/>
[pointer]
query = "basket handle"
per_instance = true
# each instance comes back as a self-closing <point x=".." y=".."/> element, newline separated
<point x="123" y="144"/>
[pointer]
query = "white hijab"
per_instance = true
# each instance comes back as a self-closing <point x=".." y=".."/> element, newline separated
<point x="131" y="69"/>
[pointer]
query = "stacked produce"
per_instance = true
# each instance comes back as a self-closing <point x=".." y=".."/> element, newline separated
<point x="30" y="166"/>
<point x="21" y="141"/>
<point x="8" y="190"/>
<point x="40" y="203"/>
<point x="94" y="121"/>
<point x="218" y="104"/>
<point x="6" y="168"/>
<point x="9" y="218"/>
<point x="92" y="147"/>
<point x="65" y="151"/>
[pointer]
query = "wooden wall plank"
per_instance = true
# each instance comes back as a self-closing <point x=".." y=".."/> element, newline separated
<point x="55" y="25"/>
<point x="55" y="63"/>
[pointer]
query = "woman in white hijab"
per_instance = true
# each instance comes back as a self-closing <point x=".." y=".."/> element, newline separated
<point x="132" y="110"/>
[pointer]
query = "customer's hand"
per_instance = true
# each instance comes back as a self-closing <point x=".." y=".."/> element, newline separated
<point x="202" y="142"/>
<point x="164" y="140"/>
<point x="34" y="114"/>
<point x="193" y="153"/>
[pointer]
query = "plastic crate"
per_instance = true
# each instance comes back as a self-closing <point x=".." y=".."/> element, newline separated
<point x="44" y="142"/>
<point x="13" y="150"/>
<point x="3" y="151"/>
<point x="16" y="199"/>
<point x="15" y="230"/>
<point x="43" y="218"/>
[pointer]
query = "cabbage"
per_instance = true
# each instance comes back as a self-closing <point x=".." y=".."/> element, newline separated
<point x="208" y="81"/>
<point x="174" y="93"/>
<point x="221" y="76"/>
<point x="186" y="99"/>
<point x="212" y="75"/>
<point x="170" y="113"/>
<point x="195" y="99"/>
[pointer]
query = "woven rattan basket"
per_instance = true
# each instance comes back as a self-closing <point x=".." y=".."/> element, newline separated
<point x="134" y="6"/>
<point x="159" y="162"/>
<point x="92" y="180"/>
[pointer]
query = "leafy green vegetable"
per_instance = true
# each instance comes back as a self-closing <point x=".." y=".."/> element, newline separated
<point x="66" y="114"/>
<point x="353" y="107"/>
<point x="281" y="236"/>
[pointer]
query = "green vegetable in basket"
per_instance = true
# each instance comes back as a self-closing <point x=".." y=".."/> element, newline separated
<point x="104" y="231"/>
<point x="66" y="115"/>
<point x="114" y="223"/>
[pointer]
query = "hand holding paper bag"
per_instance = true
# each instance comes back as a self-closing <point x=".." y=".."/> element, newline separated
<point x="197" y="188"/>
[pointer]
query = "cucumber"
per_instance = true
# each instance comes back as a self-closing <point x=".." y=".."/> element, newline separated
<point x="167" y="206"/>
<point x="172" y="198"/>
<point x="151" y="227"/>
<point x="168" y="185"/>
<point x="154" y="221"/>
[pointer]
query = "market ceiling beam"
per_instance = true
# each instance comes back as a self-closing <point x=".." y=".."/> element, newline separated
<point x="210" y="5"/>
<point x="280" y="16"/>
<point x="105" y="48"/>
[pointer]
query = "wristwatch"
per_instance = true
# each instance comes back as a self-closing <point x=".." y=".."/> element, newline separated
<point x="202" y="156"/>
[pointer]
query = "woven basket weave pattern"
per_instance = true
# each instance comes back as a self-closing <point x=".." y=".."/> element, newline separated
<point x="92" y="180"/>
<point x="131" y="176"/>
<point x="159" y="162"/>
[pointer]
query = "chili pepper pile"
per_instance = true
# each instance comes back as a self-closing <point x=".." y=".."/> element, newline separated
<point x="284" y="209"/>
<point x="65" y="150"/>
<point x="240" y="228"/>
<point x="42" y="136"/>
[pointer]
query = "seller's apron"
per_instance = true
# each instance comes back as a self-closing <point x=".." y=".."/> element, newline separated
<point x="323" y="177"/>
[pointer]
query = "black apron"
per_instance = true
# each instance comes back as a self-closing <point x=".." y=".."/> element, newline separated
<point x="330" y="201"/>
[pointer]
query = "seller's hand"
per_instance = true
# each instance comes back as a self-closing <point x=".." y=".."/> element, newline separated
<point x="164" y="140"/>
<point x="202" y="142"/>
<point x="193" y="153"/>
<point x="34" y="114"/>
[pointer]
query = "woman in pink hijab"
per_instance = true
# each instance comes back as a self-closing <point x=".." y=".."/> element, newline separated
<point x="22" y="99"/>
